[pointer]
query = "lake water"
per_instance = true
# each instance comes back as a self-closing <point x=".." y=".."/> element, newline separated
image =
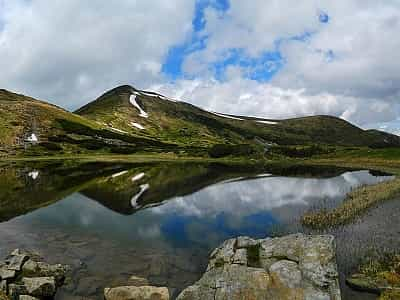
<point x="160" y="221"/>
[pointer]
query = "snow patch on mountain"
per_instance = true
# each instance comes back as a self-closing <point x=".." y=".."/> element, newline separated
<point x="132" y="100"/>
<point x="226" y="116"/>
<point x="32" y="138"/>
<point x="137" y="125"/>
<point x="34" y="174"/>
<point x="158" y="96"/>
<point x="117" y="130"/>
<point x="267" y="122"/>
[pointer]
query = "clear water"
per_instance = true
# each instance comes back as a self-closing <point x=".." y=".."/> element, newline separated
<point x="160" y="221"/>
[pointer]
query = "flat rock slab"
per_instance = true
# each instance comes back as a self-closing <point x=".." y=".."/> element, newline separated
<point x="5" y="273"/>
<point x="16" y="262"/>
<point x="296" y="266"/>
<point x="136" y="293"/>
<point x="40" y="286"/>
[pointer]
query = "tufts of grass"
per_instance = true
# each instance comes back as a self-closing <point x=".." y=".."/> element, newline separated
<point x="356" y="203"/>
<point x="385" y="272"/>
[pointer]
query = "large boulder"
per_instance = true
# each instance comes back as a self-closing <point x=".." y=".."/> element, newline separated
<point x="136" y="293"/>
<point x="292" y="267"/>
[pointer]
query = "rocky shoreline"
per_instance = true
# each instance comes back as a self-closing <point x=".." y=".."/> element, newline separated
<point x="296" y="266"/>
<point x="25" y="276"/>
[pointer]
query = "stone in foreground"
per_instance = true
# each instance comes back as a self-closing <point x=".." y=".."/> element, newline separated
<point x="136" y="293"/>
<point x="292" y="267"/>
<point x="23" y="277"/>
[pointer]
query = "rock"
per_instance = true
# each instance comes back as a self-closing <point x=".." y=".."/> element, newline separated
<point x="136" y="293"/>
<point x="5" y="273"/>
<point x="287" y="273"/>
<point x="40" y="269"/>
<point x="40" y="286"/>
<point x="364" y="283"/>
<point x="138" y="281"/>
<point x="16" y="261"/>
<point x="27" y="297"/>
<point x="3" y="286"/>
<point x="14" y="290"/>
<point x="292" y="267"/>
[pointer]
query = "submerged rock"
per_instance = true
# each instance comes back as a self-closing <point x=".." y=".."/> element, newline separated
<point x="22" y="276"/>
<point x="136" y="293"/>
<point x="291" y="267"/>
<point x="40" y="286"/>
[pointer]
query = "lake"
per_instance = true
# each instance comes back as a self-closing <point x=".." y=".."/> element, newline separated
<point x="161" y="220"/>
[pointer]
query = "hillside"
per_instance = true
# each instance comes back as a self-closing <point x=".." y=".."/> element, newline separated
<point x="32" y="127"/>
<point x="126" y="120"/>
<point x="155" y="116"/>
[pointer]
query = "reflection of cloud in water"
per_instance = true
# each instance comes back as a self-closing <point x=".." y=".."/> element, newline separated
<point x="243" y="198"/>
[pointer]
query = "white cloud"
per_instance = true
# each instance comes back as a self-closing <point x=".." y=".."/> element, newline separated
<point x="347" y="67"/>
<point x="247" y="97"/>
<point x="71" y="51"/>
<point x="254" y="196"/>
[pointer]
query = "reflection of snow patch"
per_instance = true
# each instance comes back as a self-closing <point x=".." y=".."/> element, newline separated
<point x="264" y="175"/>
<point x="267" y="122"/>
<point x="119" y="174"/>
<point x="138" y="177"/>
<point x="143" y="188"/>
<point x="117" y="130"/>
<point x="32" y="138"/>
<point x="34" y="174"/>
<point x="137" y="125"/>
<point x="226" y="116"/>
<point x="132" y="100"/>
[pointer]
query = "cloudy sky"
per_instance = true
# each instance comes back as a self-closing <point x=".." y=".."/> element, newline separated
<point x="269" y="58"/>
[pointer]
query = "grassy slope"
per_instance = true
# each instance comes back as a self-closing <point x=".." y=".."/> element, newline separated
<point x="19" y="114"/>
<point x="69" y="133"/>
<point x="183" y="123"/>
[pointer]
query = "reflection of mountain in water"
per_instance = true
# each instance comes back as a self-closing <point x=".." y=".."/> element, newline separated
<point x="122" y="187"/>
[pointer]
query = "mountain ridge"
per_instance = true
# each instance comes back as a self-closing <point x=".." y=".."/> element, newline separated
<point x="128" y="120"/>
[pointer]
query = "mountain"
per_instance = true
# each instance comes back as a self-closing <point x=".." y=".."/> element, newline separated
<point x="33" y="127"/>
<point x="152" y="115"/>
<point x="127" y="120"/>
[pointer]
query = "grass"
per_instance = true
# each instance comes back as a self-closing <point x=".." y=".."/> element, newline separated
<point x="384" y="274"/>
<point x="356" y="203"/>
<point x="359" y="200"/>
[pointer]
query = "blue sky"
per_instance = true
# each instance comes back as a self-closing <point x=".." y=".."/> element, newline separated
<point x="261" y="68"/>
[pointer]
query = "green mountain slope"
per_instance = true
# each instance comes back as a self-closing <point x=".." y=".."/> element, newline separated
<point x="32" y="127"/>
<point x="156" y="116"/>
<point x="126" y="120"/>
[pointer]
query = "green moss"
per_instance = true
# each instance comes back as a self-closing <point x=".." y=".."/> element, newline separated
<point x="253" y="256"/>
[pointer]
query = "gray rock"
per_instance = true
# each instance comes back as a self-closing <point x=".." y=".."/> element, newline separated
<point x="287" y="272"/>
<point x="138" y="281"/>
<point x="15" y="290"/>
<point x="296" y="266"/>
<point x="27" y="297"/>
<point x="16" y="262"/>
<point x="5" y="273"/>
<point x="136" y="293"/>
<point x="40" y="286"/>
<point x="40" y="269"/>
<point x="3" y="286"/>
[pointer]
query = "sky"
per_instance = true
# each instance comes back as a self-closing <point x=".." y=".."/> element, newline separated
<point x="265" y="58"/>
